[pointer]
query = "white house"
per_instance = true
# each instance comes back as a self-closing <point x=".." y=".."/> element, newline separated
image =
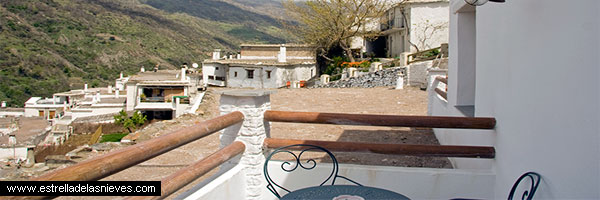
<point x="164" y="94"/>
<point x="424" y="23"/>
<point x="506" y="62"/>
<point x="262" y="66"/>
<point x="44" y="107"/>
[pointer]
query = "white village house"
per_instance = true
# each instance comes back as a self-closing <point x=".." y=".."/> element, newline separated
<point x="163" y="94"/>
<point x="261" y="66"/>
<point x="424" y="23"/>
<point x="406" y="26"/>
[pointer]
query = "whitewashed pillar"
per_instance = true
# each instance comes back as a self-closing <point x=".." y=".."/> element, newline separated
<point x="324" y="79"/>
<point x="252" y="132"/>
<point x="400" y="82"/>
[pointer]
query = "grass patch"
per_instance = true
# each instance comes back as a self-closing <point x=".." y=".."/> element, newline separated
<point x="115" y="137"/>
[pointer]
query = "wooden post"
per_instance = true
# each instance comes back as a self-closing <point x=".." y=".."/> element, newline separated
<point x="381" y="120"/>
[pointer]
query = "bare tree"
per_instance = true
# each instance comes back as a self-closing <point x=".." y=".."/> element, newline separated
<point x="427" y="31"/>
<point x="331" y="23"/>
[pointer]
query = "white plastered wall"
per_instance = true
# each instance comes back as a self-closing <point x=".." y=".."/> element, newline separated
<point x="210" y="69"/>
<point x="414" y="183"/>
<point x="242" y="80"/>
<point x="7" y="153"/>
<point x="428" y="23"/>
<point x="543" y="92"/>
<point x="131" y="96"/>
<point x="280" y="75"/>
<point x="537" y="73"/>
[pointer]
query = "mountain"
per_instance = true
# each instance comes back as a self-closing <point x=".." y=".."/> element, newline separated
<point x="48" y="46"/>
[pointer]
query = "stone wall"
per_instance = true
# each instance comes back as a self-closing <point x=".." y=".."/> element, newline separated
<point x="417" y="72"/>
<point x="381" y="78"/>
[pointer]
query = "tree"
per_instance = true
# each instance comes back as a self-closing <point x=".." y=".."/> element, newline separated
<point x="333" y="23"/>
<point x="134" y="121"/>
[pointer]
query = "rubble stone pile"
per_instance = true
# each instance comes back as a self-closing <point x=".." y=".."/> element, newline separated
<point x="382" y="78"/>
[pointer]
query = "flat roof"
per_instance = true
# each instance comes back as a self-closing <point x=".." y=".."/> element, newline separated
<point x="29" y="129"/>
<point x="276" y="45"/>
<point x="9" y="109"/>
<point x="271" y="62"/>
<point x="113" y="100"/>
<point x="162" y="75"/>
<point x="70" y="93"/>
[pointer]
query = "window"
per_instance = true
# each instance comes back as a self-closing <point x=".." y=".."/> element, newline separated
<point x="216" y="68"/>
<point x="234" y="74"/>
<point x="211" y="77"/>
<point x="250" y="73"/>
<point x="268" y="74"/>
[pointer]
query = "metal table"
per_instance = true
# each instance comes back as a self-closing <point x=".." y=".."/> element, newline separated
<point x="343" y="192"/>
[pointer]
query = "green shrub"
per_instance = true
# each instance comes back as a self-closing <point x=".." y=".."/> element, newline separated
<point x="114" y="137"/>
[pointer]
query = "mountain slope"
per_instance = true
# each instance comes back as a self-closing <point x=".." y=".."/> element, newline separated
<point x="47" y="46"/>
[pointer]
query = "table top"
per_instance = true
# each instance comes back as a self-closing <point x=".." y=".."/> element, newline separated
<point x="343" y="192"/>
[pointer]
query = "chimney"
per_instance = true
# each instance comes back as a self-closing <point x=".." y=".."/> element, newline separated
<point x="182" y="74"/>
<point x="85" y="87"/>
<point x="109" y="89"/>
<point x="239" y="56"/>
<point x="117" y="93"/>
<point x="121" y="75"/>
<point x="3" y="104"/>
<point x="142" y="69"/>
<point x="281" y="57"/>
<point x="98" y="96"/>
<point x="216" y="54"/>
<point x="230" y="56"/>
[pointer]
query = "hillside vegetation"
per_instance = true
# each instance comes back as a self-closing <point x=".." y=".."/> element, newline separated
<point x="48" y="46"/>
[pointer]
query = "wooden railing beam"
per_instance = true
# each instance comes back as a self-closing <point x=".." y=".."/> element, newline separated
<point x="442" y="79"/>
<point x="110" y="163"/>
<point x="441" y="93"/>
<point x="181" y="178"/>
<point x="381" y="120"/>
<point x="396" y="149"/>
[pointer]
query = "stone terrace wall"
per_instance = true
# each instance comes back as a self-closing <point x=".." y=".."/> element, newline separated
<point x="381" y="78"/>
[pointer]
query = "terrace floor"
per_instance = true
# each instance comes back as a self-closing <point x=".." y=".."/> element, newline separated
<point x="409" y="101"/>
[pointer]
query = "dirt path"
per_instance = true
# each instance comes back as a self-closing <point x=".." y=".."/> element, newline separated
<point x="410" y="101"/>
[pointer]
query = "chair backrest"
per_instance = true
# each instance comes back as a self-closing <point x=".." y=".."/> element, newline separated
<point x="290" y="166"/>
<point x="527" y="194"/>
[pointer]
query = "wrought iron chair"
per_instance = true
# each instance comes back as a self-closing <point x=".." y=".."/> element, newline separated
<point x="291" y="166"/>
<point x="527" y="194"/>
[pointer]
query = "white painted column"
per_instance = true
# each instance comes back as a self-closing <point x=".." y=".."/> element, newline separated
<point x="324" y="79"/>
<point x="400" y="82"/>
<point x="253" y="131"/>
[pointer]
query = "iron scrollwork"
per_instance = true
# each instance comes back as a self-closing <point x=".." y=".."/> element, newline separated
<point x="290" y="166"/>
<point x="527" y="194"/>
